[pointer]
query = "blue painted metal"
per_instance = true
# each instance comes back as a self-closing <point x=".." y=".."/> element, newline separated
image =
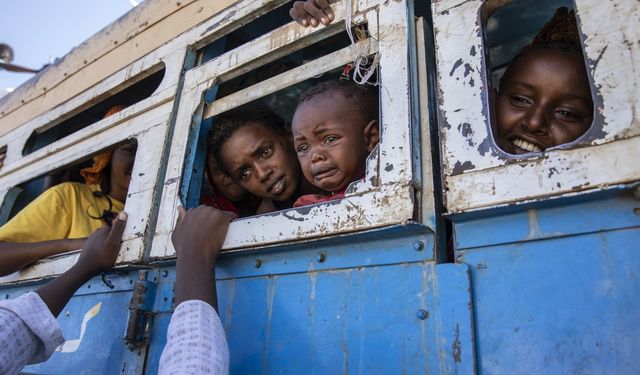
<point x="556" y="292"/>
<point x="101" y="349"/>
<point x="300" y="315"/>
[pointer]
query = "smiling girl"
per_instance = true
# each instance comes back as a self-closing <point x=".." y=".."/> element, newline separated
<point x="544" y="98"/>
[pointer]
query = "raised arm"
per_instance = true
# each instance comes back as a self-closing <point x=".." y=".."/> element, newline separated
<point x="195" y="338"/>
<point x="30" y="332"/>
<point x="98" y="255"/>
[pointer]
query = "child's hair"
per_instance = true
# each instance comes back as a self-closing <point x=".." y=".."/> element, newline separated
<point x="365" y="99"/>
<point x="559" y="33"/>
<point x="225" y="126"/>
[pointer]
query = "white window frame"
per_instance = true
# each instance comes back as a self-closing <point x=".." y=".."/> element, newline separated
<point x="374" y="202"/>
<point x="476" y="173"/>
<point x="147" y="121"/>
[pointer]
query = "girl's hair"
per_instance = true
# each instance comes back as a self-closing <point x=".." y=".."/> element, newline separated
<point x="225" y="126"/>
<point x="365" y="99"/>
<point x="559" y="33"/>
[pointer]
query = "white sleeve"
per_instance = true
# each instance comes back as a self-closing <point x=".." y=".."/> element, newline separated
<point x="196" y="342"/>
<point x="29" y="334"/>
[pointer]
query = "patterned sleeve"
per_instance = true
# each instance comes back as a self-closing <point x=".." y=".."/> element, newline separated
<point x="29" y="334"/>
<point x="196" y="342"/>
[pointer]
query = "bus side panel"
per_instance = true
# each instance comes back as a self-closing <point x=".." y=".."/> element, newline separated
<point x="566" y="304"/>
<point x="350" y="321"/>
<point x="93" y="324"/>
<point x="338" y="318"/>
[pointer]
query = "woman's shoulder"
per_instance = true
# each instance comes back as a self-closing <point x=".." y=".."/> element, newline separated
<point x="73" y="189"/>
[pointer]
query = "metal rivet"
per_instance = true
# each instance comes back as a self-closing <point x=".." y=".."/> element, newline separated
<point x="636" y="210"/>
<point x="418" y="245"/>
<point x="68" y="313"/>
<point x="165" y="273"/>
<point x="422" y="314"/>
<point x="258" y="263"/>
<point x="321" y="257"/>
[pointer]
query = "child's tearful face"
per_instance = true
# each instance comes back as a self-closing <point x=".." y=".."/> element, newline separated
<point x="262" y="162"/>
<point x="332" y="140"/>
<point x="544" y="101"/>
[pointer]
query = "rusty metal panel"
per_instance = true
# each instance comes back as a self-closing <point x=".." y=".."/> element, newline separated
<point x="476" y="173"/>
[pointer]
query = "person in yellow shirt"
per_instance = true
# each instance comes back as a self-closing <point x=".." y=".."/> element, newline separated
<point x="62" y="217"/>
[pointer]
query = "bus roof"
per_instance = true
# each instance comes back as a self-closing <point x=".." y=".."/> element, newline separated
<point x="137" y="33"/>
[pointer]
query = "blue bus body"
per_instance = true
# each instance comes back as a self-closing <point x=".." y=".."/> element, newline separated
<point x="541" y="282"/>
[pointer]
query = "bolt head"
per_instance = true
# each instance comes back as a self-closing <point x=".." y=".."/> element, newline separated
<point x="418" y="245"/>
<point x="422" y="314"/>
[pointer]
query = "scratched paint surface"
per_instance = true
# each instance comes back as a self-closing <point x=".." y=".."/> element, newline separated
<point x="555" y="289"/>
<point x="355" y="310"/>
<point x="350" y="321"/>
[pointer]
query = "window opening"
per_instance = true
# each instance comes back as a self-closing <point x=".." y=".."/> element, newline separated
<point x="131" y="92"/>
<point x="535" y="54"/>
<point x="226" y="191"/>
<point x="282" y="103"/>
<point x="98" y="169"/>
<point x="260" y="26"/>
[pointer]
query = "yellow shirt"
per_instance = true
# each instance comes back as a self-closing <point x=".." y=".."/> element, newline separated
<point x="63" y="211"/>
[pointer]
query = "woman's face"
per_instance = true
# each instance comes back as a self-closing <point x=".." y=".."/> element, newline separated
<point x="122" y="161"/>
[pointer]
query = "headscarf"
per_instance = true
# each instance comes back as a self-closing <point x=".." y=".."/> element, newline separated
<point x="93" y="174"/>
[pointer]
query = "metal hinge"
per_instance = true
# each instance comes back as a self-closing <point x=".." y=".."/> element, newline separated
<point x="140" y="315"/>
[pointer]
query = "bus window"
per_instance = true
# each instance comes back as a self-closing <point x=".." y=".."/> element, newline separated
<point x="282" y="103"/>
<point x="241" y="78"/>
<point x="541" y="91"/>
<point x="97" y="170"/>
<point x="223" y="188"/>
<point x="259" y="26"/>
<point x="128" y="93"/>
<point x="68" y="212"/>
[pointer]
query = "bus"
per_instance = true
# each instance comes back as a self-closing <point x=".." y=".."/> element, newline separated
<point x="450" y="256"/>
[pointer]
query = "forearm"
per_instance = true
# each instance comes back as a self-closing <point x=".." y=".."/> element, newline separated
<point x="195" y="340"/>
<point x="29" y="333"/>
<point x="57" y="293"/>
<point x="195" y="280"/>
<point x="15" y="256"/>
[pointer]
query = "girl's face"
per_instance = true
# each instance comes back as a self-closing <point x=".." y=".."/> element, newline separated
<point x="122" y="161"/>
<point x="262" y="162"/>
<point x="544" y="101"/>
